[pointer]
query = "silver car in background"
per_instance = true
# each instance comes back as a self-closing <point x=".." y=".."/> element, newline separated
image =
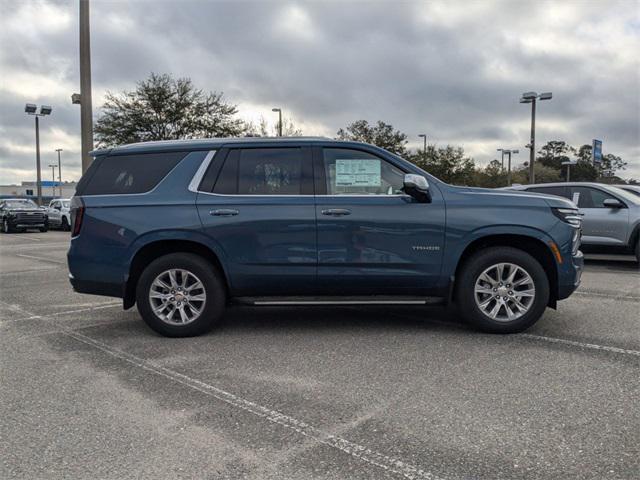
<point x="59" y="213"/>
<point x="611" y="221"/>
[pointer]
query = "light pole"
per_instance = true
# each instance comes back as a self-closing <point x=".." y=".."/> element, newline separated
<point x="31" y="109"/>
<point x="86" y="111"/>
<point x="531" y="97"/>
<point x="568" y="163"/>
<point x="501" y="150"/>
<point x="59" y="170"/>
<point x="53" y="167"/>
<point x="509" y="152"/>
<point x="424" y="137"/>
<point x="279" y="110"/>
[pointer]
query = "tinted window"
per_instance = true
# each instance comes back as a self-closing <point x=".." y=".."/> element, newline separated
<point x="557" y="191"/>
<point x="261" y="171"/>
<point x="130" y="173"/>
<point x="590" y="197"/>
<point x="354" y="172"/>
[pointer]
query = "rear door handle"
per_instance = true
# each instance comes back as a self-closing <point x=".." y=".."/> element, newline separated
<point x="336" y="212"/>
<point x="224" y="212"/>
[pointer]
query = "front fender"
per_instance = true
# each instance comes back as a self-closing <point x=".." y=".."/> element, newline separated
<point x="457" y="244"/>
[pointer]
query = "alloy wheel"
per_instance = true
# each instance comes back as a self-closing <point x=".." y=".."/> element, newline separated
<point x="504" y="292"/>
<point x="177" y="296"/>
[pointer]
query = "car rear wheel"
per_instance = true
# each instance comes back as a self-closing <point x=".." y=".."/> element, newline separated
<point x="181" y="295"/>
<point x="502" y="290"/>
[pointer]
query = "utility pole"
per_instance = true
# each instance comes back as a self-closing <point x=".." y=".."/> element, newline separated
<point x="31" y="109"/>
<point x="279" y="110"/>
<point x="531" y="97"/>
<point x="502" y="153"/>
<point x="86" y="110"/>
<point x="53" y="167"/>
<point x="424" y="137"/>
<point x="509" y="167"/>
<point x="59" y="170"/>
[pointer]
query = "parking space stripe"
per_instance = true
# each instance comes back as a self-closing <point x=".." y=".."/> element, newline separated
<point x="360" y="452"/>
<point x="40" y="258"/>
<point x="28" y="270"/>
<point x="608" y="295"/>
<point x="574" y="343"/>
<point x="39" y="245"/>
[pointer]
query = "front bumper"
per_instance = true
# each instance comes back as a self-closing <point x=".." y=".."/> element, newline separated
<point x="570" y="280"/>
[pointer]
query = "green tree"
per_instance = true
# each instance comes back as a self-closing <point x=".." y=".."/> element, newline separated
<point x="263" y="129"/>
<point x="164" y="108"/>
<point x="449" y="164"/>
<point x="543" y="174"/>
<point x="491" y="176"/>
<point x="381" y="134"/>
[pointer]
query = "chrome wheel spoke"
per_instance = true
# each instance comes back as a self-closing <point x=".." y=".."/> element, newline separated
<point x="171" y="298"/>
<point x="496" y="292"/>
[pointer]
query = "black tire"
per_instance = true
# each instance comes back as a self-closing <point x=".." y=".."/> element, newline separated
<point x="484" y="259"/>
<point x="211" y="279"/>
<point x="6" y="226"/>
<point x="44" y="229"/>
<point x="65" y="224"/>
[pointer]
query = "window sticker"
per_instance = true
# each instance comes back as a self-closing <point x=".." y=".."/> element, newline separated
<point x="576" y="197"/>
<point x="358" y="172"/>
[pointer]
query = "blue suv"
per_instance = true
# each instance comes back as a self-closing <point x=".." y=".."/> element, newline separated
<point x="183" y="228"/>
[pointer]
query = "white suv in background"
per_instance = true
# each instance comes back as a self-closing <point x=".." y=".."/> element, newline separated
<point x="59" y="216"/>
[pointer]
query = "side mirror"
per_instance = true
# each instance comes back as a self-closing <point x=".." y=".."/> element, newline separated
<point x="612" y="203"/>
<point x="418" y="187"/>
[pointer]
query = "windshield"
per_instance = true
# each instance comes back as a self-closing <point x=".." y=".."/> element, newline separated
<point x="628" y="196"/>
<point x="20" y="204"/>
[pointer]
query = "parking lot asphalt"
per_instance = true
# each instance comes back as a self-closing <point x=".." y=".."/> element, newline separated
<point x="88" y="391"/>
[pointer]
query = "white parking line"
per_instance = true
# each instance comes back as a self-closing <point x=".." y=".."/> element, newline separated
<point x="360" y="452"/>
<point x="592" y="346"/>
<point x="40" y="258"/>
<point x="355" y="450"/>
<point x="607" y="295"/>
<point x="28" y="270"/>
<point x="39" y="245"/>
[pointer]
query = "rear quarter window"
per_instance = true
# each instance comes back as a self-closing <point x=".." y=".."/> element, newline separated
<point x="126" y="174"/>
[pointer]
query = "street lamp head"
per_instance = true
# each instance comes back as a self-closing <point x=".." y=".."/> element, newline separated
<point x="529" y="95"/>
<point x="499" y="150"/>
<point x="75" y="99"/>
<point x="546" y="96"/>
<point x="276" y="110"/>
<point x="30" y="108"/>
<point x="515" y="151"/>
<point x="45" y="110"/>
<point x="53" y="166"/>
<point x="422" y="135"/>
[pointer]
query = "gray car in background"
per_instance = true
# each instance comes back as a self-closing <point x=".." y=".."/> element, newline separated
<point x="611" y="221"/>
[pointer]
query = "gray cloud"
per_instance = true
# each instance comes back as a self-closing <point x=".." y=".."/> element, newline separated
<point x="454" y="70"/>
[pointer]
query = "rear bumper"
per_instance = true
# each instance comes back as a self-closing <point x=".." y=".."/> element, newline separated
<point x="96" y="288"/>
<point x="570" y="280"/>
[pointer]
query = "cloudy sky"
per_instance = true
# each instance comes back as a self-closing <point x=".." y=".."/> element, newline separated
<point x="451" y="69"/>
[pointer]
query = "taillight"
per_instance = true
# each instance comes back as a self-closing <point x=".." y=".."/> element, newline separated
<point x="77" y="214"/>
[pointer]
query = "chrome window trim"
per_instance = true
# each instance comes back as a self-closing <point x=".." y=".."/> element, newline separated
<point x="197" y="177"/>
<point x="320" y="196"/>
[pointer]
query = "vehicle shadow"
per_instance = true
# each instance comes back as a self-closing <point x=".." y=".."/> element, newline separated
<point x="339" y="318"/>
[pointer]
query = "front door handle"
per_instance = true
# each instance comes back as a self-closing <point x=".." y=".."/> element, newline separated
<point x="224" y="212"/>
<point x="336" y="212"/>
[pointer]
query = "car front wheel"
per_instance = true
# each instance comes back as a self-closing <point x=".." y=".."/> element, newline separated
<point x="181" y="295"/>
<point x="502" y="290"/>
<point x="6" y="227"/>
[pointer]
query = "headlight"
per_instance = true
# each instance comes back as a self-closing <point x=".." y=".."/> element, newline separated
<point x="569" y="215"/>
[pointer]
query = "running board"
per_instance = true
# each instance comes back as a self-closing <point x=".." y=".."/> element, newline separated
<point x="370" y="300"/>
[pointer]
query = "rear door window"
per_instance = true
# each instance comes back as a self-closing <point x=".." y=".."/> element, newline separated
<point x="126" y="174"/>
<point x="263" y="171"/>
<point x="557" y="191"/>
